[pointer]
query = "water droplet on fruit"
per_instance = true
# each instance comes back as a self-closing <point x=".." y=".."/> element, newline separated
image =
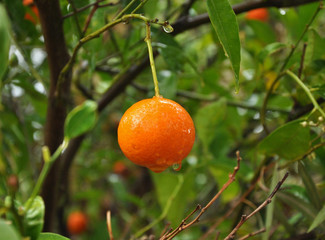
<point x="168" y="28"/>
<point x="177" y="166"/>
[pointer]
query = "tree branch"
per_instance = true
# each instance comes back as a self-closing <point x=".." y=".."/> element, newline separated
<point x="185" y="23"/>
<point x="183" y="225"/>
<point x="244" y="218"/>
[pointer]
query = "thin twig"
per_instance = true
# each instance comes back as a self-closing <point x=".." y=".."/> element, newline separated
<point x="252" y="234"/>
<point x="212" y="98"/>
<point x="302" y="60"/>
<point x="238" y="202"/>
<point x="231" y="210"/>
<point x="96" y="34"/>
<point x="124" y="10"/>
<point x="90" y="16"/>
<point x="109" y="225"/>
<point x="217" y="236"/>
<point x="185" y="225"/>
<point x="88" y="6"/>
<point x="76" y="17"/>
<point x="166" y="209"/>
<point x="284" y="65"/>
<point x="143" y="2"/>
<point x="244" y="218"/>
<point x="312" y="149"/>
<point x="307" y="91"/>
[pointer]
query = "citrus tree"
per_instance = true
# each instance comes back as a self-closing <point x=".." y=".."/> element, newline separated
<point x="219" y="105"/>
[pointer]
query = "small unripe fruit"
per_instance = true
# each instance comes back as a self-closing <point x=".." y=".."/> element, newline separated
<point x="13" y="182"/>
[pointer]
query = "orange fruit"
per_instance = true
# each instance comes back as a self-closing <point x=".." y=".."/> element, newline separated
<point x="33" y="14"/>
<point x="156" y="133"/>
<point x="120" y="169"/>
<point x="77" y="222"/>
<point x="259" y="14"/>
<point x="28" y="2"/>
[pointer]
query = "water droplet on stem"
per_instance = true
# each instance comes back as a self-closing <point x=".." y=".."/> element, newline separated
<point x="177" y="166"/>
<point x="168" y="28"/>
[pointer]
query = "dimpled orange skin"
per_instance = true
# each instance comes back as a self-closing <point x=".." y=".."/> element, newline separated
<point x="259" y="14"/>
<point x="156" y="133"/>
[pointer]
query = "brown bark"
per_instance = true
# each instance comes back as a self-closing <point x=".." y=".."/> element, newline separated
<point x="57" y="56"/>
<point x="186" y="23"/>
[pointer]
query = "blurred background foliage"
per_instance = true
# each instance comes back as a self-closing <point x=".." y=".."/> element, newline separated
<point x="194" y="71"/>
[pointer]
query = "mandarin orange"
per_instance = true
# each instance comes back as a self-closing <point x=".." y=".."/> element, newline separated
<point x="77" y="222"/>
<point x="156" y="133"/>
<point x="259" y="14"/>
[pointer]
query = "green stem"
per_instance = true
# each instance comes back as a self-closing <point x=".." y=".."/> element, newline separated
<point x="125" y="9"/>
<point x="143" y="2"/>
<point x="293" y="49"/>
<point x="151" y="58"/>
<point x="301" y="36"/>
<point x="75" y="16"/>
<point x="48" y="161"/>
<point x="96" y="34"/>
<point x="166" y="209"/>
<point x="307" y="91"/>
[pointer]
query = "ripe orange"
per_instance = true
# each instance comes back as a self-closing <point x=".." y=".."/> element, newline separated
<point x="77" y="222"/>
<point x="33" y="16"/>
<point x="259" y="14"/>
<point x="120" y="169"/>
<point x="156" y="133"/>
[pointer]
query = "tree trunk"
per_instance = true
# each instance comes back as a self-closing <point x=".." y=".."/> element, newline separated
<point x="57" y="56"/>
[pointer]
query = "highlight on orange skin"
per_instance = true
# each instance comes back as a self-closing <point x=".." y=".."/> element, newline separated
<point x="259" y="14"/>
<point x="34" y="15"/>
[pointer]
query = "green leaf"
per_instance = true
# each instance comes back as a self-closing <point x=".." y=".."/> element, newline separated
<point x="270" y="49"/>
<point x="167" y="84"/>
<point x="165" y="184"/>
<point x="311" y="189"/>
<point x="315" y="49"/>
<point x="34" y="218"/>
<point x="225" y="24"/>
<point x="221" y="175"/>
<point x="208" y="118"/>
<point x="288" y="141"/>
<point x="174" y="55"/>
<point x="300" y="205"/>
<point x="320" y="218"/>
<point x="81" y="119"/>
<point x="7" y="231"/>
<point x="320" y="90"/>
<point x="51" y="236"/>
<point x="4" y="40"/>
<point x="263" y="31"/>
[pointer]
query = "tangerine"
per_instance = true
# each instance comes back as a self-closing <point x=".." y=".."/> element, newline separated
<point x="77" y="222"/>
<point x="259" y="14"/>
<point x="33" y="14"/>
<point x="156" y="133"/>
<point x="120" y="169"/>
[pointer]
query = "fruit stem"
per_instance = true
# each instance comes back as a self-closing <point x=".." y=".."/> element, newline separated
<point x="152" y="62"/>
<point x="307" y="91"/>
